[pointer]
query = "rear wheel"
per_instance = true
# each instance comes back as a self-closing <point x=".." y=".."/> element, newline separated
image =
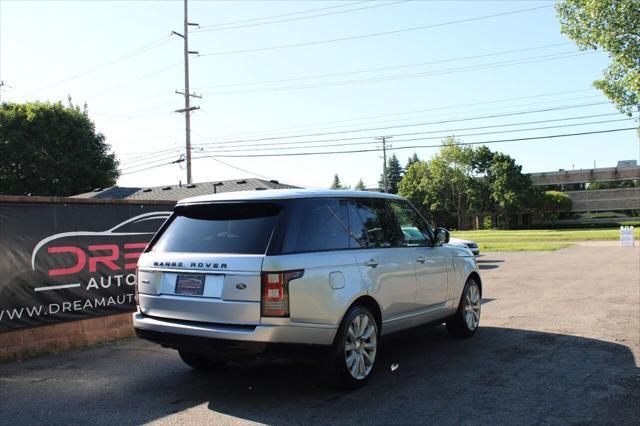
<point x="198" y="361"/>
<point x="467" y="319"/>
<point x="355" y="348"/>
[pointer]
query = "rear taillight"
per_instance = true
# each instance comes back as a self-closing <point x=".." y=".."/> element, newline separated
<point x="275" y="292"/>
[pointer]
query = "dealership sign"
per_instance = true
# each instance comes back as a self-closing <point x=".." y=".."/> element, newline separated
<point x="60" y="262"/>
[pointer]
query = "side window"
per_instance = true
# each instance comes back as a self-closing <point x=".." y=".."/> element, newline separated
<point x="323" y="225"/>
<point x="373" y="224"/>
<point x="415" y="231"/>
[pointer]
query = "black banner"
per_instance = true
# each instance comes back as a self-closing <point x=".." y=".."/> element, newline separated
<point x="61" y="262"/>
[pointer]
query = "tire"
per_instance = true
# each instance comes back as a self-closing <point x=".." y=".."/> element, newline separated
<point x="199" y="362"/>
<point x="466" y="320"/>
<point x="355" y="348"/>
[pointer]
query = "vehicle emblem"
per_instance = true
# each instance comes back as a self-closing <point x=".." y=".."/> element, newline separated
<point x="241" y="286"/>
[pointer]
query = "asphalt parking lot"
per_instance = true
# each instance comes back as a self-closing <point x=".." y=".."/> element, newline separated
<point x="559" y="343"/>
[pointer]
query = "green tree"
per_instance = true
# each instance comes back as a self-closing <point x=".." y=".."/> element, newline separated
<point x="510" y="190"/>
<point x="460" y="180"/>
<point x="52" y="150"/>
<point x="394" y="175"/>
<point x="615" y="184"/>
<point x="337" y="184"/>
<point x="441" y="188"/>
<point x="360" y="186"/>
<point x="411" y="160"/>
<point x="613" y="26"/>
<point x="413" y="187"/>
<point x="554" y="203"/>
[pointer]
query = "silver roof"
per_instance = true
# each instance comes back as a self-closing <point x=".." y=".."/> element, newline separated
<point x="281" y="194"/>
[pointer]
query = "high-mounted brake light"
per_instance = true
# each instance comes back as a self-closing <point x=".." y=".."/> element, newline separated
<point x="275" y="292"/>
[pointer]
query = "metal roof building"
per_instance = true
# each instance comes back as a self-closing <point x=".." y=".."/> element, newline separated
<point x="178" y="192"/>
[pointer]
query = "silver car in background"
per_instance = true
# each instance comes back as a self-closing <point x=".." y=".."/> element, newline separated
<point x="471" y="245"/>
<point x="244" y="273"/>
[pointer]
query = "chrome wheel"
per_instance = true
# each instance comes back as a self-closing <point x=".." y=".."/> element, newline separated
<point x="360" y="346"/>
<point x="472" y="307"/>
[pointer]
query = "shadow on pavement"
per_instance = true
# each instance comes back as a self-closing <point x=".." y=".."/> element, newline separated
<point x="483" y="266"/>
<point x="501" y="375"/>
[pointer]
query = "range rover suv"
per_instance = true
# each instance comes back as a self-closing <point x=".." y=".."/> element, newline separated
<point x="241" y="273"/>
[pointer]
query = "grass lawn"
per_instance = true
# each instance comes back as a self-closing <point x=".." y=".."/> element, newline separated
<point x="539" y="239"/>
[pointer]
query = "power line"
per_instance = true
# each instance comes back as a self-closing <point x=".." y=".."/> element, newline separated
<point x="297" y="154"/>
<point x="378" y="34"/>
<point x="151" y="162"/>
<point x="338" y="74"/>
<point x="240" y="143"/>
<point x="371" y="129"/>
<point x="375" y="117"/>
<point x="147" y="168"/>
<point x="142" y="155"/>
<point x="130" y="82"/>
<point x="397" y="148"/>
<point x="219" y="145"/>
<point x="446" y="71"/>
<point x="283" y="15"/>
<point x="128" y="55"/>
<point x="134" y="155"/>
<point x="222" y="28"/>
<point x="480" y="66"/>
<point x="142" y="160"/>
<point x="229" y="143"/>
<point x="235" y="167"/>
<point x="443" y="134"/>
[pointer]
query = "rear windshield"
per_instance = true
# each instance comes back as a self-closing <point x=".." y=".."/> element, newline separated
<point x="240" y="228"/>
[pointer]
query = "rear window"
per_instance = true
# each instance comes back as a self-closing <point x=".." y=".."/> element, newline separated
<point x="239" y="228"/>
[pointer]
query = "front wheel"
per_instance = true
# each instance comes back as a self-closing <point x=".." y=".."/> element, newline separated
<point x="355" y="348"/>
<point x="466" y="320"/>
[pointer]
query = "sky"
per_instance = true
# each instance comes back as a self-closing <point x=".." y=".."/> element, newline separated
<point x="285" y="77"/>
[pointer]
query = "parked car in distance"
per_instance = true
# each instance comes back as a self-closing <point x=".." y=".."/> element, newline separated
<point x="244" y="273"/>
<point x="471" y="245"/>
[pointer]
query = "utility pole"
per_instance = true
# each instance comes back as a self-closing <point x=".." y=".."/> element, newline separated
<point x="187" y="94"/>
<point x="384" y="162"/>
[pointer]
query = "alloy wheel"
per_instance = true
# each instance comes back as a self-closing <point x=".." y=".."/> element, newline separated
<point x="472" y="307"/>
<point x="360" y="346"/>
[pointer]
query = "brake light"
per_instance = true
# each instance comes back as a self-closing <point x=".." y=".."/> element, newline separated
<point x="275" y="292"/>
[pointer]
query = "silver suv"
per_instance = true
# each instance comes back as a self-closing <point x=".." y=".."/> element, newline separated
<point x="244" y="273"/>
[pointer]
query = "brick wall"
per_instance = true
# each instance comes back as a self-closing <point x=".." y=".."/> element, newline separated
<point x="19" y="344"/>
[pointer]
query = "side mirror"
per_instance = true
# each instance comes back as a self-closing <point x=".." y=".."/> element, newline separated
<point x="440" y="236"/>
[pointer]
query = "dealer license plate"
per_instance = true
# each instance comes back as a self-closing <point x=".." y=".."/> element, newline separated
<point x="190" y="285"/>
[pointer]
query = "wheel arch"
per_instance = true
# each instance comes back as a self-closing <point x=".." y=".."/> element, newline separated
<point x="476" y="276"/>
<point x="371" y="304"/>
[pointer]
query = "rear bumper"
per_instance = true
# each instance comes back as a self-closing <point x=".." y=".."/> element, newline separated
<point x="234" y="350"/>
<point x="308" y="334"/>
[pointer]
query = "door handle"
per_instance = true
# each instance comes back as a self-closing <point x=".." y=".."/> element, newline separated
<point x="421" y="259"/>
<point x="372" y="263"/>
